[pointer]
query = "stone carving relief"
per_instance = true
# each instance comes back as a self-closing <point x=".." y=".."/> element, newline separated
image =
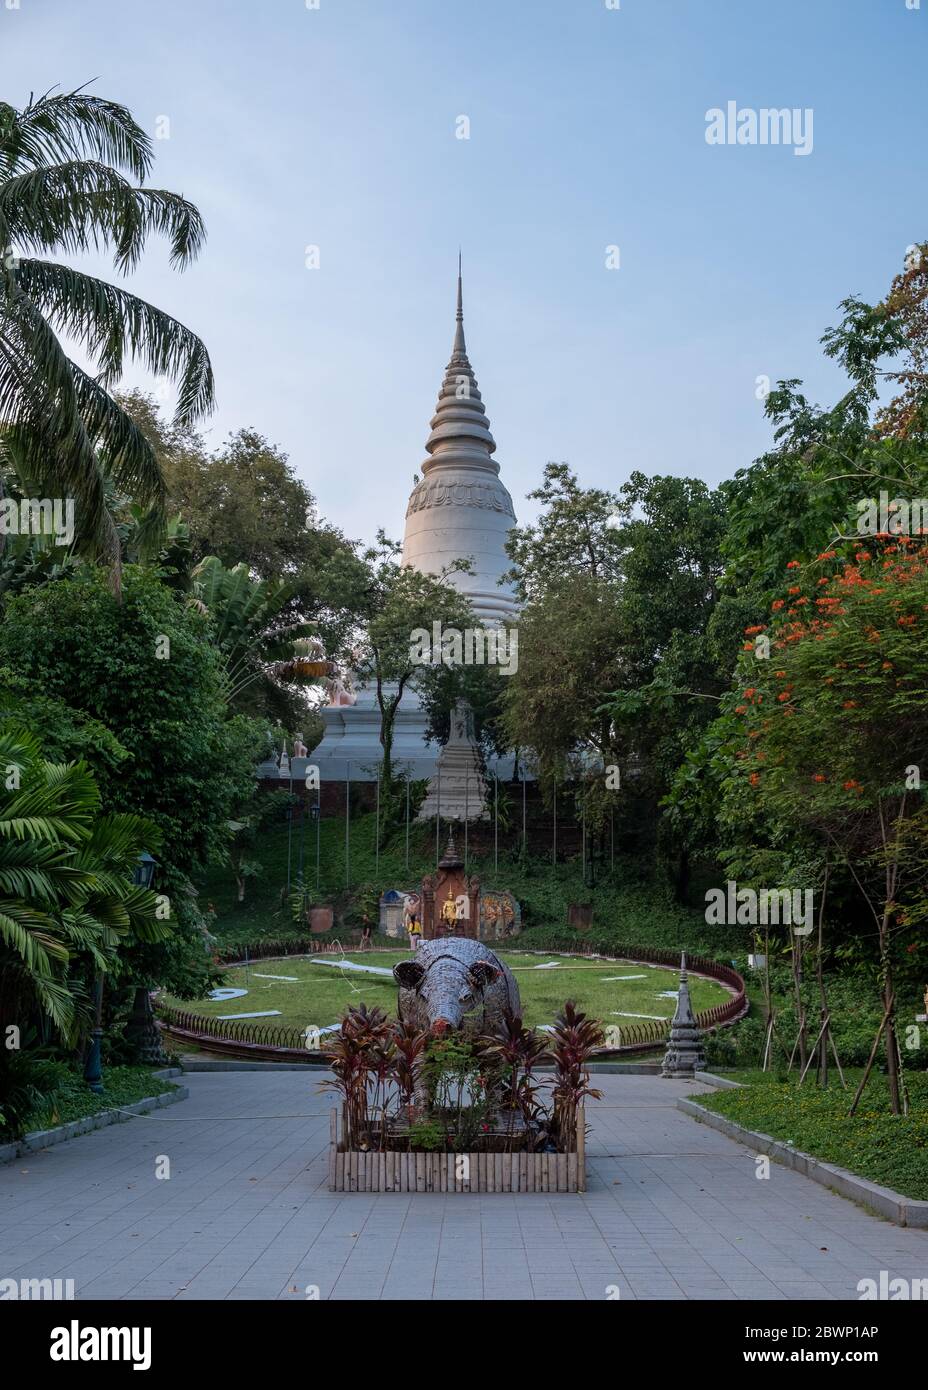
<point x="439" y="494"/>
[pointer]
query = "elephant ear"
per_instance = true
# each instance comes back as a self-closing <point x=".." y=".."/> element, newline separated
<point x="482" y="973"/>
<point x="408" y="973"/>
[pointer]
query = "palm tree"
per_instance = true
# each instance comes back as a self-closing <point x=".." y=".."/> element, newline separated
<point x="251" y="625"/>
<point x="72" y="170"/>
<point x="66" y="885"/>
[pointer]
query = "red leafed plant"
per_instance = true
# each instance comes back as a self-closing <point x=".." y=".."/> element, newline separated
<point x="360" y="1053"/>
<point x="573" y="1039"/>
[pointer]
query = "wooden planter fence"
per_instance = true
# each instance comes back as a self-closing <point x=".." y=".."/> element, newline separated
<point x="355" y="1170"/>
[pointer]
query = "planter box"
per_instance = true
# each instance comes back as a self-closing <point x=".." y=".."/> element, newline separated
<point x="354" y="1170"/>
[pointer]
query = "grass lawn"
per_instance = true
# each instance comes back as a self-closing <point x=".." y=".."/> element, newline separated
<point x="73" y="1100"/>
<point x="875" y="1144"/>
<point x="320" y="993"/>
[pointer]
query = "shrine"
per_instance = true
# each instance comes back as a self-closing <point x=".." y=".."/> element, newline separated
<point x="450" y="898"/>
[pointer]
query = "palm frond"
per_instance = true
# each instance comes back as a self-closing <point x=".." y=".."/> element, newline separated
<point x="62" y="125"/>
<point x="111" y="324"/>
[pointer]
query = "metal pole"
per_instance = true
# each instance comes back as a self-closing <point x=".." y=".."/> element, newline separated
<point x="583" y="840"/>
<point x="407" y="823"/>
<point x="524" y="846"/>
<point x="611" y="841"/>
<point x="554" y="859"/>
<point x="93" y="1070"/>
<point x="437" y="815"/>
<point x="302" y="839"/>
<point x="318" y="823"/>
<point x="289" y="830"/>
<point x="347" y="809"/>
<point x="377" y="833"/>
<point x="466" y="814"/>
<point x="496" y="818"/>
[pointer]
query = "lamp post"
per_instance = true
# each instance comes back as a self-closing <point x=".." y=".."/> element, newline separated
<point x="141" y="1029"/>
<point x="93" y="1067"/>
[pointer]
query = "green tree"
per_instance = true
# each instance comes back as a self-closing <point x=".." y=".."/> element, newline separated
<point x="577" y="533"/>
<point x="391" y="603"/>
<point x="66" y="889"/>
<point x="146" y="670"/>
<point x="266" y="654"/>
<point x="831" y="735"/>
<point x="66" y="161"/>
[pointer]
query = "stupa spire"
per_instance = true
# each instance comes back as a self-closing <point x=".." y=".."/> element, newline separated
<point x="459" y="509"/>
<point x="460" y="431"/>
<point x="460" y="347"/>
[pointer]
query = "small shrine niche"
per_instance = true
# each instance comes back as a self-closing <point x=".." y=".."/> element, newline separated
<point x="450" y="898"/>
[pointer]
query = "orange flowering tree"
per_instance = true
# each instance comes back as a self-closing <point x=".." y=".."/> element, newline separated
<point x="829" y="734"/>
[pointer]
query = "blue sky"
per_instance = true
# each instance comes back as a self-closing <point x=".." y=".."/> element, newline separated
<point x="336" y="127"/>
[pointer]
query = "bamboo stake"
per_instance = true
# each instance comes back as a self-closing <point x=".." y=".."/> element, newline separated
<point x="876" y="1042"/>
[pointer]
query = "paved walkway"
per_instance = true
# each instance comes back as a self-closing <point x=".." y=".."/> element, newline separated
<point x="673" y="1211"/>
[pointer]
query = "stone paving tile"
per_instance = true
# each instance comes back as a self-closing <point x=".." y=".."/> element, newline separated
<point x="673" y="1211"/>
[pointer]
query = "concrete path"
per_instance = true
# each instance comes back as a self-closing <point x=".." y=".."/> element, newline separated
<point x="674" y="1210"/>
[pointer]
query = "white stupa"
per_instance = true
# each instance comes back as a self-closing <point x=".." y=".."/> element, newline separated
<point x="460" y="510"/>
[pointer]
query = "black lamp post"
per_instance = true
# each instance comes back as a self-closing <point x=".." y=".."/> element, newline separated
<point x="144" y="871"/>
<point x="93" y="1067"/>
<point x="142" y="1030"/>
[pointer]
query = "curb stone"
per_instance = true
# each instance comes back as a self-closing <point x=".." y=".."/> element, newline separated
<point x="892" y="1206"/>
<point x="721" y="1083"/>
<point x="40" y="1139"/>
<point x="222" y="1064"/>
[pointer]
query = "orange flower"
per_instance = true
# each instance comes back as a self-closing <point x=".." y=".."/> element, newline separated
<point x="783" y="696"/>
<point x="793" y="565"/>
<point x="818" y="777"/>
<point x="754" y="779"/>
<point x="849" y="704"/>
<point x="777" y="604"/>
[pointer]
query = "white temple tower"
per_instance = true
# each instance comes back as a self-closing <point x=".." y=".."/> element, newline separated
<point x="460" y="510"/>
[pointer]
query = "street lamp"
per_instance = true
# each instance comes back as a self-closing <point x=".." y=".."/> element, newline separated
<point x="144" y="870"/>
<point x="142" y="1030"/>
